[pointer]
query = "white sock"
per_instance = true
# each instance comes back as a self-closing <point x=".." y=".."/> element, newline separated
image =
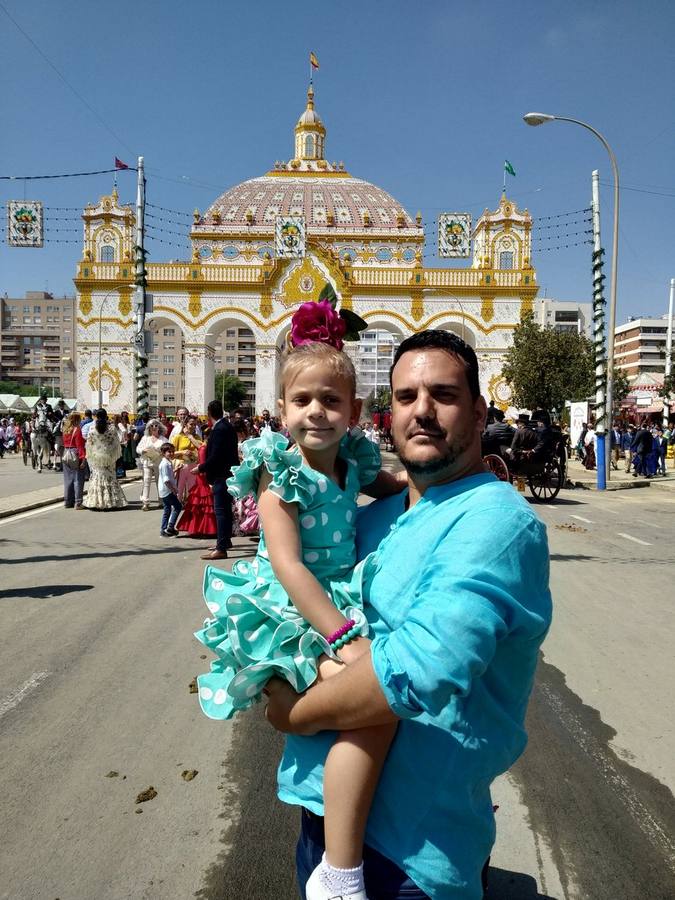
<point x="340" y="882"/>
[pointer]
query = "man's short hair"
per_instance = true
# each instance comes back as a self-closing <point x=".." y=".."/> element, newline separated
<point x="438" y="339"/>
<point x="498" y="414"/>
<point x="87" y="412"/>
<point x="166" y="447"/>
<point x="215" y="409"/>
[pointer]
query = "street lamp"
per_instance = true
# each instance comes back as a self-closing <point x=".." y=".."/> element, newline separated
<point x="106" y="297"/>
<point x="536" y="118"/>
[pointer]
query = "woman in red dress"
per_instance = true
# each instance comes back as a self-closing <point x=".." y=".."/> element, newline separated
<point x="198" y="518"/>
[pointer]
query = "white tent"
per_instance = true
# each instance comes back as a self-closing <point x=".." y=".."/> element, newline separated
<point x="14" y="403"/>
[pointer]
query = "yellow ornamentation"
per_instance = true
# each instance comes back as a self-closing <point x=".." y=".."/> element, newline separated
<point x="417" y="307"/>
<point x="500" y="391"/>
<point x="487" y="309"/>
<point x="266" y="303"/>
<point x="526" y="306"/>
<point x="194" y="303"/>
<point x="107" y="374"/>
<point x="125" y="301"/>
<point x="85" y="303"/>
<point x="291" y="291"/>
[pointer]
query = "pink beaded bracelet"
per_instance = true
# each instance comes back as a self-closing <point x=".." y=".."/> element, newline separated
<point x="336" y="635"/>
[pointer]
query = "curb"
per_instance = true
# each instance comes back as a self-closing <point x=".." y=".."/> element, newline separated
<point x="50" y="501"/>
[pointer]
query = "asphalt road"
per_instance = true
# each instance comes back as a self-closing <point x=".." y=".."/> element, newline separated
<point x="97" y="612"/>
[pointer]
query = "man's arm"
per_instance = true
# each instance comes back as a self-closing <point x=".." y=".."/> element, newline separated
<point x="351" y="699"/>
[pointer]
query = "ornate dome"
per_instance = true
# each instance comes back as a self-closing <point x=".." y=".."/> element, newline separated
<point x="308" y="185"/>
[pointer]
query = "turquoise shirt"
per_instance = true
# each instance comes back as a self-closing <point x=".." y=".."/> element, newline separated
<point x="459" y="605"/>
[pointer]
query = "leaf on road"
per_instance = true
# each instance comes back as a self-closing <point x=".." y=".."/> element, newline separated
<point x="193" y="685"/>
<point x="188" y="774"/>
<point x="568" y="526"/>
<point x="148" y="794"/>
<point x="112" y="774"/>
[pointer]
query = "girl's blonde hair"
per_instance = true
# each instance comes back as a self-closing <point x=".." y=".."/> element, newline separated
<point x="336" y="361"/>
<point x="72" y="422"/>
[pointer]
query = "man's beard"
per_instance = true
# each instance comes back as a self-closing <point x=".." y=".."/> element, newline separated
<point x="441" y="464"/>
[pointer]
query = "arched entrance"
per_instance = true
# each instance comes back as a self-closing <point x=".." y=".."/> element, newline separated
<point x="166" y="366"/>
<point x="235" y="353"/>
<point x="373" y="356"/>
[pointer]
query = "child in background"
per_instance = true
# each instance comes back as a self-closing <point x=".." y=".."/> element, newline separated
<point x="168" y="491"/>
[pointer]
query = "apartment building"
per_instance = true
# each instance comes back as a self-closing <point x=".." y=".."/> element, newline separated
<point x="235" y="355"/>
<point x="372" y="357"/>
<point x="565" y="315"/>
<point x="37" y="345"/>
<point x="640" y="345"/>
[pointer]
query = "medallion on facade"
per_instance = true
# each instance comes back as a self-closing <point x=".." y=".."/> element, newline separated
<point x="454" y="235"/>
<point x="25" y="223"/>
<point x="290" y="237"/>
<point x="500" y="391"/>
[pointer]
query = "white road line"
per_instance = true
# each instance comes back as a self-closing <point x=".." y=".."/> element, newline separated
<point x="14" y="699"/>
<point x="648" y="524"/>
<point x="629" y="537"/>
<point x="10" y="520"/>
<point x="581" y="519"/>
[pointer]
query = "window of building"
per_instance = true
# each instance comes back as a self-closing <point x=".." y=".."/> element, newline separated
<point x="566" y="315"/>
<point x="167" y="358"/>
<point x="169" y="398"/>
<point x="506" y="259"/>
<point x="37" y="309"/>
<point x="231" y="332"/>
<point x="169" y="332"/>
<point x="229" y="359"/>
<point x="169" y="370"/>
<point x="169" y="384"/>
<point x="169" y="346"/>
<point x="154" y="371"/>
<point x="229" y="346"/>
<point x="26" y="320"/>
<point x="107" y="254"/>
<point x="26" y="309"/>
<point x="37" y="320"/>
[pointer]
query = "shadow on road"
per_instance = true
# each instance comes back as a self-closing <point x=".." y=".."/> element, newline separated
<point x="44" y="592"/>
<point x="505" y="885"/>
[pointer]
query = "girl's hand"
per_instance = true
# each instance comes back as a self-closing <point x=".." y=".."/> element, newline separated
<point x="354" y="650"/>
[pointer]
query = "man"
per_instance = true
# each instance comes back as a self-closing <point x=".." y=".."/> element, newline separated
<point x="615" y="444"/>
<point x="182" y="415"/>
<point x="498" y="435"/>
<point x="627" y="443"/>
<point x="641" y="446"/>
<point x="87" y="422"/>
<point x="524" y="440"/>
<point x="221" y="455"/>
<point x="458" y="606"/>
<point x="661" y="446"/>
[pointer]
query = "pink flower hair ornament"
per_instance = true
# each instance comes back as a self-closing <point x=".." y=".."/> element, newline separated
<point x="320" y="322"/>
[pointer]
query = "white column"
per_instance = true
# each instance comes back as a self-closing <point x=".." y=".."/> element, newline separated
<point x="198" y="390"/>
<point x="267" y="378"/>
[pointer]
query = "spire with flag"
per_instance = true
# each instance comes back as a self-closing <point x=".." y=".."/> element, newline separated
<point x="508" y="170"/>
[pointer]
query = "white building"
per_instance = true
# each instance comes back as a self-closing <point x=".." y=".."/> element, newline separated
<point x="565" y="315"/>
<point x="358" y="238"/>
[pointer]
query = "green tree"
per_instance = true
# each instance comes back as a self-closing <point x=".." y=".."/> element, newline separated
<point x="546" y="367"/>
<point x="231" y="390"/>
<point x="377" y="401"/>
<point x="620" y="388"/>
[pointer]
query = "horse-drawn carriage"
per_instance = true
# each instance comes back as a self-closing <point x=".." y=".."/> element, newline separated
<point x="544" y="475"/>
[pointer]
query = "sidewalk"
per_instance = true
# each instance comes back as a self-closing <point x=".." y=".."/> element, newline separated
<point x="18" y="503"/>
<point x="579" y="477"/>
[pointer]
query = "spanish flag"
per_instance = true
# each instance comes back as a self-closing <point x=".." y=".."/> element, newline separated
<point x="313" y="61"/>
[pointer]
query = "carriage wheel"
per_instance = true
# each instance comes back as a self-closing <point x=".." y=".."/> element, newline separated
<point x="545" y="485"/>
<point x="497" y="466"/>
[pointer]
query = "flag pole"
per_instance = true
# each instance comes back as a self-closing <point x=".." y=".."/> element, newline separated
<point x="504" y="185"/>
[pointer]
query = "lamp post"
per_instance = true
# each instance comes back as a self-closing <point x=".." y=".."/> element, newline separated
<point x="535" y="118"/>
<point x="106" y="297"/>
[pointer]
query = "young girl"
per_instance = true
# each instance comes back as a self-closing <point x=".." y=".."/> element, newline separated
<point x="296" y="611"/>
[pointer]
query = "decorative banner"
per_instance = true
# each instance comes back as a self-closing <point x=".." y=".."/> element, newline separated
<point x="24" y="223"/>
<point x="290" y="237"/>
<point x="454" y="235"/>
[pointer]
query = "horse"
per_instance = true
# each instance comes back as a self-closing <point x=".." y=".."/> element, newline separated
<point x="41" y="443"/>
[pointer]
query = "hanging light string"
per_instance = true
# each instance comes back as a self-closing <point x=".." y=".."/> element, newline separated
<point x="68" y="175"/>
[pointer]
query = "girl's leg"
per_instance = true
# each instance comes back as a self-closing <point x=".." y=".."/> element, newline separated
<point x="351" y="774"/>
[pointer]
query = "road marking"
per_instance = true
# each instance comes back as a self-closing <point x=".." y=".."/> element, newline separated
<point x="550" y="505"/>
<point x="9" y="520"/>
<point x="629" y="537"/>
<point x="581" y="519"/>
<point x="14" y="699"/>
<point x="648" y="524"/>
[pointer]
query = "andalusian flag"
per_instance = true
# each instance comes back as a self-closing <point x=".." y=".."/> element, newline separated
<point x="508" y="168"/>
<point x="313" y="61"/>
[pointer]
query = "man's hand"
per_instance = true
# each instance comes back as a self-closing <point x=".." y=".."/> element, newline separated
<point x="281" y="701"/>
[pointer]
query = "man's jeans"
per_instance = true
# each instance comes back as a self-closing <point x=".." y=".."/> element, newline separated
<point x="172" y="506"/>
<point x="222" y="507"/>
<point x="384" y="880"/>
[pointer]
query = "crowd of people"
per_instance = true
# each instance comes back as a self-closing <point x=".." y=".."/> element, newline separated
<point x="642" y="448"/>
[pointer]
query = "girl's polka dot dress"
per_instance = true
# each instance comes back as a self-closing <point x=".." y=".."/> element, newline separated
<point x="254" y="629"/>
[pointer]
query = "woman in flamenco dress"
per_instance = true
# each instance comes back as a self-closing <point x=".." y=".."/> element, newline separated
<point x="198" y="518"/>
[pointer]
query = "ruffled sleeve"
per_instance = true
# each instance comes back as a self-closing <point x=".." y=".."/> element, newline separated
<point x="357" y="448"/>
<point x="290" y="480"/>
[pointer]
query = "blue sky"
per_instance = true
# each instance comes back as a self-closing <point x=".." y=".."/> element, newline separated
<point x="423" y="99"/>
